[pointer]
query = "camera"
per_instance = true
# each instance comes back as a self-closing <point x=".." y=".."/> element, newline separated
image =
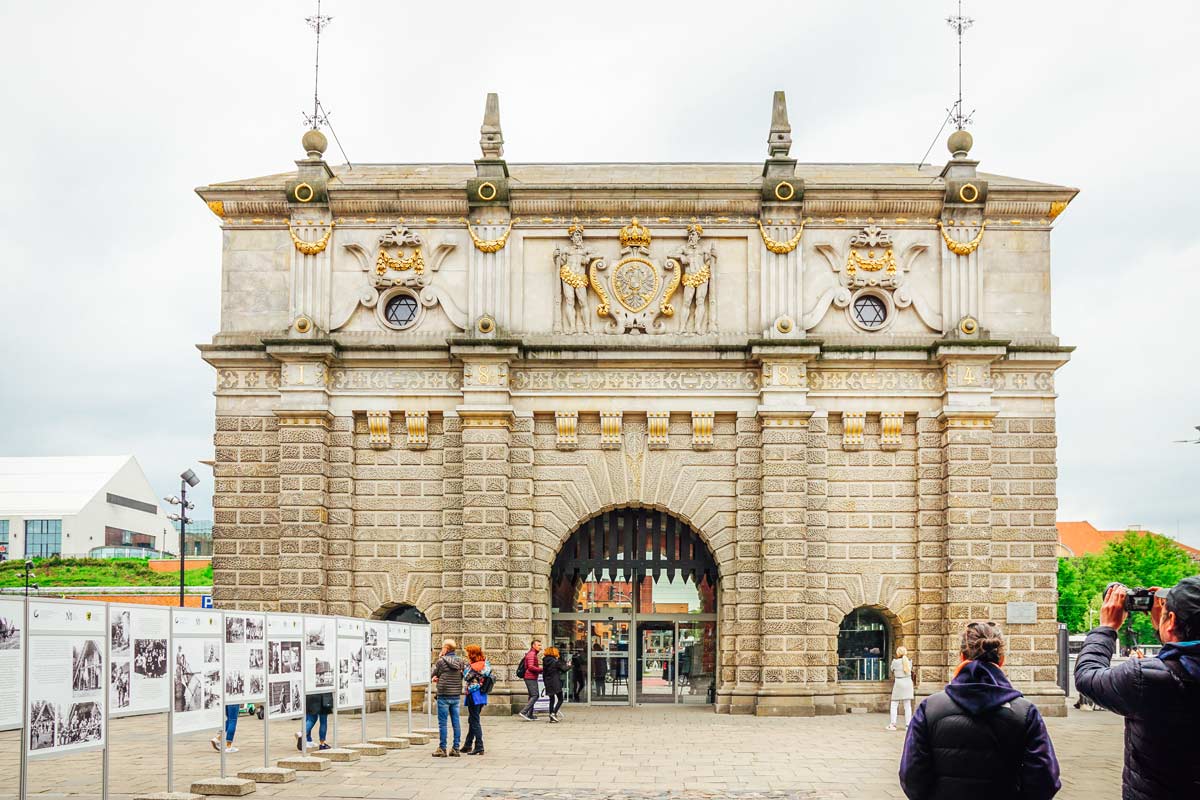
<point x="1139" y="599"/>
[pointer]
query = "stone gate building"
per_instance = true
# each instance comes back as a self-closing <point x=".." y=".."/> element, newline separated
<point x="727" y="433"/>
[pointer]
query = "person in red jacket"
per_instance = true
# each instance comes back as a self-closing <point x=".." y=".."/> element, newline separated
<point x="530" y="669"/>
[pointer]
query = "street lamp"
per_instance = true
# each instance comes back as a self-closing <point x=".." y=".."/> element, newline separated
<point x="188" y="478"/>
<point x="28" y="577"/>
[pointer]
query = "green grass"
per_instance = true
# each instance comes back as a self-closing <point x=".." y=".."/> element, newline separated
<point x="97" y="572"/>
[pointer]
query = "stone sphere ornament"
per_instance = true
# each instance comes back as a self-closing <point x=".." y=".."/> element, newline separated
<point x="314" y="143"/>
<point x="960" y="143"/>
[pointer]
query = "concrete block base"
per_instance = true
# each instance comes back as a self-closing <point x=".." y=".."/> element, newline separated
<point x="430" y="732"/>
<point x="340" y="755"/>
<point x="391" y="742"/>
<point x="415" y="738"/>
<point x="268" y="775"/>
<point x="225" y="787"/>
<point x="368" y="749"/>
<point x="304" y="763"/>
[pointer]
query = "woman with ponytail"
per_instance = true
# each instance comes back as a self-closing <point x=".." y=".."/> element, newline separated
<point x="902" y="686"/>
<point x="979" y="737"/>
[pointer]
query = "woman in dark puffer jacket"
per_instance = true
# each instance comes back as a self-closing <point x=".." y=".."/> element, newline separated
<point x="979" y="738"/>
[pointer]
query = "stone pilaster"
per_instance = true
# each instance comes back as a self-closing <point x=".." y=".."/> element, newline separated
<point x="446" y="615"/>
<point x="339" y="528"/>
<point x="931" y="658"/>
<point x="303" y="509"/>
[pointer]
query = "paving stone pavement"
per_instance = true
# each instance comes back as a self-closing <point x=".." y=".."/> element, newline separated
<point x="634" y="754"/>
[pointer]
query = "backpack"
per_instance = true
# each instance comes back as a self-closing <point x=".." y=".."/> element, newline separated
<point x="488" y="683"/>
<point x="521" y="668"/>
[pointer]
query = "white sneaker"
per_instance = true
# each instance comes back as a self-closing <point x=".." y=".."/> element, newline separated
<point x="231" y="749"/>
<point x="524" y="716"/>
<point x="215" y="742"/>
<point x="891" y="727"/>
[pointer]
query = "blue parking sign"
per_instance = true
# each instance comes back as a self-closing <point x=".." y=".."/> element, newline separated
<point x="206" y="601"/>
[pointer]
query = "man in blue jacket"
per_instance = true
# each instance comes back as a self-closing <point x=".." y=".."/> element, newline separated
<point x="1159" y="697"/>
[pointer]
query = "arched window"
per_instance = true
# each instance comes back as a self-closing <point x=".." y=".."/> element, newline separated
<point x="864" y="646"/>
<point x="407" y="613"/>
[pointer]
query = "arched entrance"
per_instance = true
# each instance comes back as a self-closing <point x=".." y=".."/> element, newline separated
<point x="633" y="599"/>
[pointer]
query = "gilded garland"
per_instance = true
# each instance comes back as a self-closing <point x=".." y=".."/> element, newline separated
<point x="776" y="246"/>
<point x="310" y="248"/>
<point x="415" y="262"/>
<point x="489" y="245"/>
<point x="855" y="262"/>
<point x="962" y="248"/>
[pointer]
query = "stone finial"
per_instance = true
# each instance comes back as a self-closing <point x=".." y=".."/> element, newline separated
<point x="959" y="143"/>
<point x="314" y="143"/>
<point x="491" y="139"/>
<point x="779" y="143"/>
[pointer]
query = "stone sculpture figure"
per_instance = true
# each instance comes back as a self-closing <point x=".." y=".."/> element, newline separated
<point x="697" y="266"/>
<point x="572" y="266"/>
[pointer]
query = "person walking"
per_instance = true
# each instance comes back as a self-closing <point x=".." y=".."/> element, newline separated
<point x="578" y="668"/>
<point x="553" y="668"/>
<point x="231" y="720"/>
<point x="528" y="672"/>
<point x="1159" y="697"/>
<point x="448" y="676"/>
<point x="599" y="668"/>
<point x="979" y="737"/>
<point x="317" y="708"/>
<point x="478" y="678"/>
<point x="902" y="686"/>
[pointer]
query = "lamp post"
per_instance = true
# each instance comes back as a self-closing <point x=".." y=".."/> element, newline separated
<point x="188" y="478"/>
<point x="28" y="577"/>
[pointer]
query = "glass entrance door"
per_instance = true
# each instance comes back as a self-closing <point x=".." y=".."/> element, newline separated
<point x="609" y="661"/>
<point x="696" y="662"/>
<point x="656" y="662"/>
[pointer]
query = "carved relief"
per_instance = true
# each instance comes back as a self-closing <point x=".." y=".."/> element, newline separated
<point x="702" y="430"/>
<point x="419" y="381"/>
<point x="485" y="375"/>
<point x="636" y="291"/>
<point x="417" y="424"/>
<point x="875" y="380"/>
<point x="787" y="375"/>
<point x="610" y="430"/>
<point x="695" y="273"/>
<point x="379" y="424"/>
<point x="968" y="375"/>
<point x="566" y="424"/>
<point x="248" y="381"/>
<point x="891" y="425"/>
<point x="658" y="424"/>
<point x="616" y="380"/>
<point x="1034" y="382"/>
<point x="572" y="264"/>
<point x="853" y="423"/>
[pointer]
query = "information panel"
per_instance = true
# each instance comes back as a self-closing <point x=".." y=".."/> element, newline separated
<point x="320" y="651"/>
<point x="375" y="654"/>
<point x="399" y="685"/>
<point x="196" y="670"/>
<point x="12" y="665"/>
<point x="422" y="654"/>
<point x="245" y="658"/>
<point x="285" y="662"/>
<point x="349" y="663"/>
<point x="66" y="699"/>
<point x="137" y="657"/>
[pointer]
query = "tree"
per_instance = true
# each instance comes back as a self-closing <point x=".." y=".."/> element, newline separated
<point x="1077" y="586"/>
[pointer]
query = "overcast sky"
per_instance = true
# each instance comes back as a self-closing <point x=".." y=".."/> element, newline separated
<point x="113" y="112"/>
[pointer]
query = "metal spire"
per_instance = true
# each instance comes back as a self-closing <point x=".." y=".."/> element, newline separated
<point x="317" y="22"/>
<point x="959" y="24"/>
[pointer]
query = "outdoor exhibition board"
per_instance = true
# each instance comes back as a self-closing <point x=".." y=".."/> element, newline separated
<point x="375" y="654"/>
<point x="320" y="652"/>
<point x="349" y="663"/>
<point x="66" y="699"/>
<point x="12" y="668"/>
<point x="422" y="654"/>
<point x="245" y="658"/>
<point x="285" y="664"/>
<point x="138" y="639"/>
<point x="196" y="670"/>
<point x="399" y="663"/>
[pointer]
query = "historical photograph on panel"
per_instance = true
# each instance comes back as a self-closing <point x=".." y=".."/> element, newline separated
<point x="119" y="681"/>
<point x="235" y="629"/>
<point x="285" y="657"/>
<point x="254" y="629"/>
<point x="212" y="652"/>
<point x="119" y="635"/>
<point x="343" y="675"/>
<point x="324" y="673"/>
<point x="150" y="657"/>
<point x="235" y="682"/>
<point x="255" y="658"/>
<point x="10" y="633"/>
<point x="212" y="688"/>
<point x="371" y="636"/>
<point x="189" y="681"/>
<point x="285" y="697"/>
<point x="84" y="723"/>
<point x="43" y="720"/>
<point x="255" y="684"/>
<point x="87" y="666"/>
<point x="315" y="635"/>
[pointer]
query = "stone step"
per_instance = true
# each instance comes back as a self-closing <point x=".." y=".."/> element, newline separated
<point x="415" y="738"/>
<point x="391" y="742"/>
<point x="268" y="775"/>
<point x="169" y="796"/>
<point x="340" y="755"/>
<point x="304" y="763"/>
<point x="225" y="787"/>
<point x="368" y="749"/>
<point x="430" y="732"/>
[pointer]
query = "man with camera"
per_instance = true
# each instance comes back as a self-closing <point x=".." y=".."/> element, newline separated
<point x="1159" y="697"/>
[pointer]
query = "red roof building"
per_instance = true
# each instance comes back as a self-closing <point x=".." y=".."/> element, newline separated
<point x="1081" y="538"/>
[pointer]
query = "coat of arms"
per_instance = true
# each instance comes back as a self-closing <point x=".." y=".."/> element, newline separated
<point x="634" y="291"/>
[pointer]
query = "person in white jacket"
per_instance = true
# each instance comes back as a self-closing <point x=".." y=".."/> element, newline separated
<point x="902" y="686"/>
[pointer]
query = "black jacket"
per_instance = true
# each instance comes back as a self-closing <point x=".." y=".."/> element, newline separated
<point x="317" y="704"/>
<point x="978" y="739"/>
<point x="552" y="672"/>
<point x="1160" y="700"/>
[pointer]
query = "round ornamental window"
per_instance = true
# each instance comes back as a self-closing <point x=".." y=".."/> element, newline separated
<point x="401" y="311"/>
<point x="870" y="311"/>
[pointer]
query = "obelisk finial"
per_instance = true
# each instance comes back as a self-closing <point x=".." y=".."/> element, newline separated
<point x="779" y="143"/>
<point x="491" y="139"/>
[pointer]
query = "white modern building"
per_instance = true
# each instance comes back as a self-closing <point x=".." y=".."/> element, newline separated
<point x="74" y="505"/>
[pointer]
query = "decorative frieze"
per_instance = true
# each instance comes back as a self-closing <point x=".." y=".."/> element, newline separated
<point x="1016" y="382"/>
<point x="585" y="381"/>
<point x="853" y="423"/>
<point x="891" y="424"/>
<point x="420" y="381"/>
<point x="248" y="381"/>
<point x="489" y="375"/>
<point x="417" y="423"/>
<point x="658" y="424"/>
<point x="969" y="421"/>
<point x="702" y="430"/>
<point x="379" y="425"/>
<point x="875" y="380"/>
<point x="610" y="430"/>
<point x="566" y="424"/>
<point x="970" y="375"/>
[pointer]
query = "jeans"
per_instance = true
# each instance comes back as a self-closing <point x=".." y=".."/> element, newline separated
<point x="310" y="720"/>
<point x="231" y="718"/>
<point x="474" y="728"/>
<point x="448" y="707"/>
<point x="556" y="701"/>
<point x="531" y="686"/>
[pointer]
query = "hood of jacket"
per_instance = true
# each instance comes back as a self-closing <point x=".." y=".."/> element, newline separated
<point x="1188" y="654"/>
<point x="979" y="687"/>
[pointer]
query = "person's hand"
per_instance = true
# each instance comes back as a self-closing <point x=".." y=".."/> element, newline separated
<point x="1112" y="612"/>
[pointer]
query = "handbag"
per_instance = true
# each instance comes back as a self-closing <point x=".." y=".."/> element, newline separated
<point x="478" y="698"/>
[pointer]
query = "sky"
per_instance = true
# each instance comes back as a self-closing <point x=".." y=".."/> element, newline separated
<point x="114" y="112"/>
